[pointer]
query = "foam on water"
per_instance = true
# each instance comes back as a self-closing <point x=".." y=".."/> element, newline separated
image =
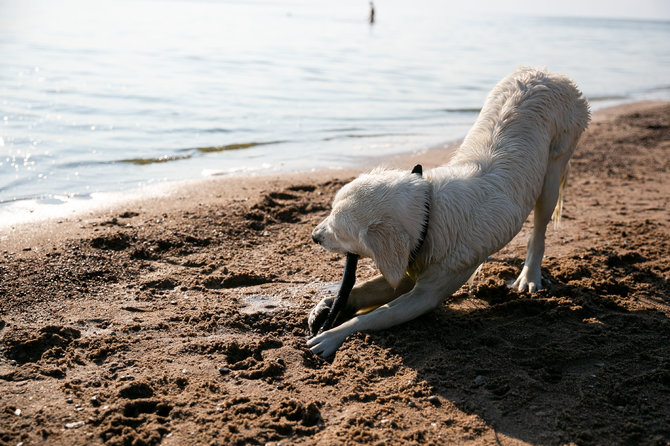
<point x="62" y="206"/>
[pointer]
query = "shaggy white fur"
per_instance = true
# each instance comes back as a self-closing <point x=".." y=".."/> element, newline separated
<point x="514" y="159"/>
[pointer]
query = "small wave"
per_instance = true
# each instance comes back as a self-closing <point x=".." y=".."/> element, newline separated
<point x="186" y="154"/>
<point x="607" y="98"/>
<point x="191" y="130"/>
<point x="160" y="159"/>
<point x="217" y="130"/>
<point x="660" y="88"/>
<point x="344" y="129"/>
<point x="238" y="146"/>
<point x="377" y="135"/>
<point x="462" y="110"/>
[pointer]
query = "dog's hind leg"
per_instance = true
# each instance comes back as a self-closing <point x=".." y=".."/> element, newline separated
<point x="376" y="292"/>
<point x="531" y="276"/>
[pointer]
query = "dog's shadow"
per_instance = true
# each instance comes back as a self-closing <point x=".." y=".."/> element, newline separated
<point x="567" y="364"/>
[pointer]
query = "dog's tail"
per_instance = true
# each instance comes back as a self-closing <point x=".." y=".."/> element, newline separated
<point x="556" y="216"/>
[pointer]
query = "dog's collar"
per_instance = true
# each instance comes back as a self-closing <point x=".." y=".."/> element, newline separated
<point x="424" y="229"/>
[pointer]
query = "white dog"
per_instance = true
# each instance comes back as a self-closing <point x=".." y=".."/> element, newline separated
<point x="514" y="159"/>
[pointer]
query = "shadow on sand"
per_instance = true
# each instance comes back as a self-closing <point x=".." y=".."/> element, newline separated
<point x="569" y="364"/>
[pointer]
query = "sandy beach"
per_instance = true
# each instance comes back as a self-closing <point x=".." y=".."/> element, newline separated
<point x="183" y="319"/>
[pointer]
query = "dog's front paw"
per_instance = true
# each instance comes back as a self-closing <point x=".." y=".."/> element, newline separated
<point x="327" y="343"/>
<point x="319" y="314"/>
<point x="528" y="281"/>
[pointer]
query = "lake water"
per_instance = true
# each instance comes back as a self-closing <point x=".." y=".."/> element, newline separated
<point x="110" y="96"/>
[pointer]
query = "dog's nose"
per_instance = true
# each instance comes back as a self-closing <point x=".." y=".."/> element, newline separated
<point x="315" y="238"/>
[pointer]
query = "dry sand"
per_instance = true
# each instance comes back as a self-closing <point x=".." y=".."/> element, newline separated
<point x="182" y="320"/>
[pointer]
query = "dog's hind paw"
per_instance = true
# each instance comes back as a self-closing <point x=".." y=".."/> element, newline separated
<point x="528" y="281"/>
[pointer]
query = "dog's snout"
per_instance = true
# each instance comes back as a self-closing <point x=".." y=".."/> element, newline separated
<point x="317" y="236"/>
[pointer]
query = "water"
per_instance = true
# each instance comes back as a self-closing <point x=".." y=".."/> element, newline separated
<point x="109" y="96"/>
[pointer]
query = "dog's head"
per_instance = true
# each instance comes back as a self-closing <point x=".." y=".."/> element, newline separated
<point x="378" y="215"/>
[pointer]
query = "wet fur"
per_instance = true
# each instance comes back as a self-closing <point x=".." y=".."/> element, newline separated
<point x="514" y="160"/>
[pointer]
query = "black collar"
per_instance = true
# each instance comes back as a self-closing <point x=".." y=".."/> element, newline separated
<point x="424" y="229"/>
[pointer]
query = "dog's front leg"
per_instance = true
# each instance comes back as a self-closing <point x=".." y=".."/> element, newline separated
<point x="430" y="290"/>
<point x="371" y="293"/>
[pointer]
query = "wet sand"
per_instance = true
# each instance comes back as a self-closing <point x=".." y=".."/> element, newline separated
<point x="183" y="319"/>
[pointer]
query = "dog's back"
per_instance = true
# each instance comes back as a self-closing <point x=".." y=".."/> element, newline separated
<point x="494" y="179"/>
<point x="530" y="117"/>
<point x="520" y="103"/>
<point x="518" y="106"/>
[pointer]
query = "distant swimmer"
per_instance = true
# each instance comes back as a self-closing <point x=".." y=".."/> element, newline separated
<point x="372" y="13"/>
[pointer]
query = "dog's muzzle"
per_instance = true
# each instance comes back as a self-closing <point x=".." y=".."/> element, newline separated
<point x="317" y="236"/>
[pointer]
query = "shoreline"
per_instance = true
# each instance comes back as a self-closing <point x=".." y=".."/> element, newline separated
<point x="30" y="211"/>
<point x="182" y="319"/>
<point x="25" y="231"/>
<point x="171" y="196"/>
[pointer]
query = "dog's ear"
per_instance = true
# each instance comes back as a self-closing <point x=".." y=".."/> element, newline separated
<point x="418" y="169"/>
<point x="390" y="250"/>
